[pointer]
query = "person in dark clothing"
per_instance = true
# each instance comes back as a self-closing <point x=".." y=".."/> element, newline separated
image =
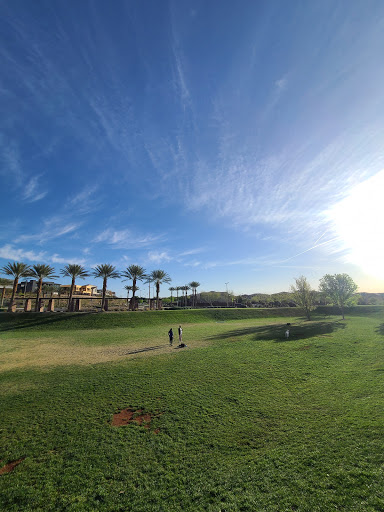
<point x="170" y="334"/>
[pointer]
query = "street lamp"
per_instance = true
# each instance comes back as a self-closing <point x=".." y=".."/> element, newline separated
<point x="226" y="287"/>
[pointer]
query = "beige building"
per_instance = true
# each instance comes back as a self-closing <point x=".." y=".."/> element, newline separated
<point x="85" y="289"/>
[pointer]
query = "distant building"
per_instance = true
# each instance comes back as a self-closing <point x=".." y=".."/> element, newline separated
<point x="108" y="293"/>
<point x="31" y="286"/>
<point x="85" y="289"/>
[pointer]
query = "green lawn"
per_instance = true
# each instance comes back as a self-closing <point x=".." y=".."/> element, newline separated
<point x="242" y="420"/>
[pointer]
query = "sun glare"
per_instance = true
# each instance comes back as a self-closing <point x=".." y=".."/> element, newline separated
<point x="358" y="221"/>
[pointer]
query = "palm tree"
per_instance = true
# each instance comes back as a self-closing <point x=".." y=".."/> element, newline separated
<point x="159" y="277"/>
<point x="73" y="271"/>
<point x="178" y="288"/>
<point x="194" y="285"/>
<point x="40" y="272"/>
<point x="129" y="289"/>
<point x="171" y="289"/>
<point x="105" y="272"/>
<point x="135" y="273"/>
<point x="186" y="288"/>
<point x="183" y="292"/>
<point x="16" y="270"/>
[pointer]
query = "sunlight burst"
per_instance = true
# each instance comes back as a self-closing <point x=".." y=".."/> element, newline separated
<point x="358" y="221"/>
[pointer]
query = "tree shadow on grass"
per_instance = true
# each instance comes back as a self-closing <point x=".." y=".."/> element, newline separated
<point x="276" y="332"/>
<point x="15" y="322"/>
<point x="380" y="329"/>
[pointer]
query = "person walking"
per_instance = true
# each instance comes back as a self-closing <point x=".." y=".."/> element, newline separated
<point x="180" y="334"/>
<point x="170" y="334"/>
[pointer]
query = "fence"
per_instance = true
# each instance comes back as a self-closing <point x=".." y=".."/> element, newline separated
<point x="78" y="304"/>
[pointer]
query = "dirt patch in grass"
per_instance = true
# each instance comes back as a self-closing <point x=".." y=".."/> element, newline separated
<point x="10" y="466"/>
<point x="127" y="416"/>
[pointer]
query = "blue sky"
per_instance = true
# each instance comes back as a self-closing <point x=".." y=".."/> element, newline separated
<point x="224" y="142"/>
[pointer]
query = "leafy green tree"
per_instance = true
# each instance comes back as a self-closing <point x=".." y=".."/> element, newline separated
<point x="5" y="282"/>
<point x="303" y="295"/>
<point x="51" y="288"/>
<point x="16" y="270"/>
<point x="40" y="272"/>
<point x="194" y="285"/>
<point x="105" y="272"/>
<point x="339" y="288"/>
<point x="159" y="277"/>
<point x="73" y="270"/>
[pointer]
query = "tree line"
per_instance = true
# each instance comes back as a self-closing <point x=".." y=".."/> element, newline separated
<point x="338" y="288"/>
<point x="135" y="273"/>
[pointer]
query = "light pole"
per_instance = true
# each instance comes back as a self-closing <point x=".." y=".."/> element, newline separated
<point x="226" y="287"/>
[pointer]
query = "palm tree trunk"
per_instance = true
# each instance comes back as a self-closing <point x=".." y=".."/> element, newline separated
<point x="38" y="293"/>
<point x="157" y="295"/>
<point x="133" y="294"/>
<point x="104" y="293"/>
<point x="15" y="283"/>
<point x="71" y="294"/>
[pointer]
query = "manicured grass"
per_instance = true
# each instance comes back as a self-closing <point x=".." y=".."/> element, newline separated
<point x="247" y="420"/>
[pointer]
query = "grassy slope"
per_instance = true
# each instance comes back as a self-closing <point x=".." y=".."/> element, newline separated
<point x="249" y="423"/>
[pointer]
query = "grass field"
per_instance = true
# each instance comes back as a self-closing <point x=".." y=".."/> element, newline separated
<point x="240" y="420"/>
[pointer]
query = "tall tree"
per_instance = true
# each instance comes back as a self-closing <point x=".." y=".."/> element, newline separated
<point x="159" y="277"/>
<point x="339" y="288"/>
<point x="16" y="270"/>
<point x="40" y="272"/>
<point x="73" y="270"/>
<point x="171" y="289"/>
<point x="194" y="285"/>
<point x="178" y="289"/>
<point x="128" y="287"/>
<point x="186" y="289"/>
<point x="105" y="272"/>
<point x="135" y="273"/>
<point x="303" y="295"/>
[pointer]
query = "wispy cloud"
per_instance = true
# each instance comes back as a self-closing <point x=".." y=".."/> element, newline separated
<point x="311" y="248"/>
<point x="58" y="259"/>
<point x="193" y="264"/>
<point x="126" y="239"/>
<point x="9" y="252"/>
<point x="32" y="191"/>
<point x="49" y="232"/>
<point x="281" y="83"/>
<point x="290" y="190"/>
<point x="85" y="201"/>
<point x="179" y="67"/>
<point x="158" y="257"/>
<point x="190" y="252"/>
<point x="11" y="161"/>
